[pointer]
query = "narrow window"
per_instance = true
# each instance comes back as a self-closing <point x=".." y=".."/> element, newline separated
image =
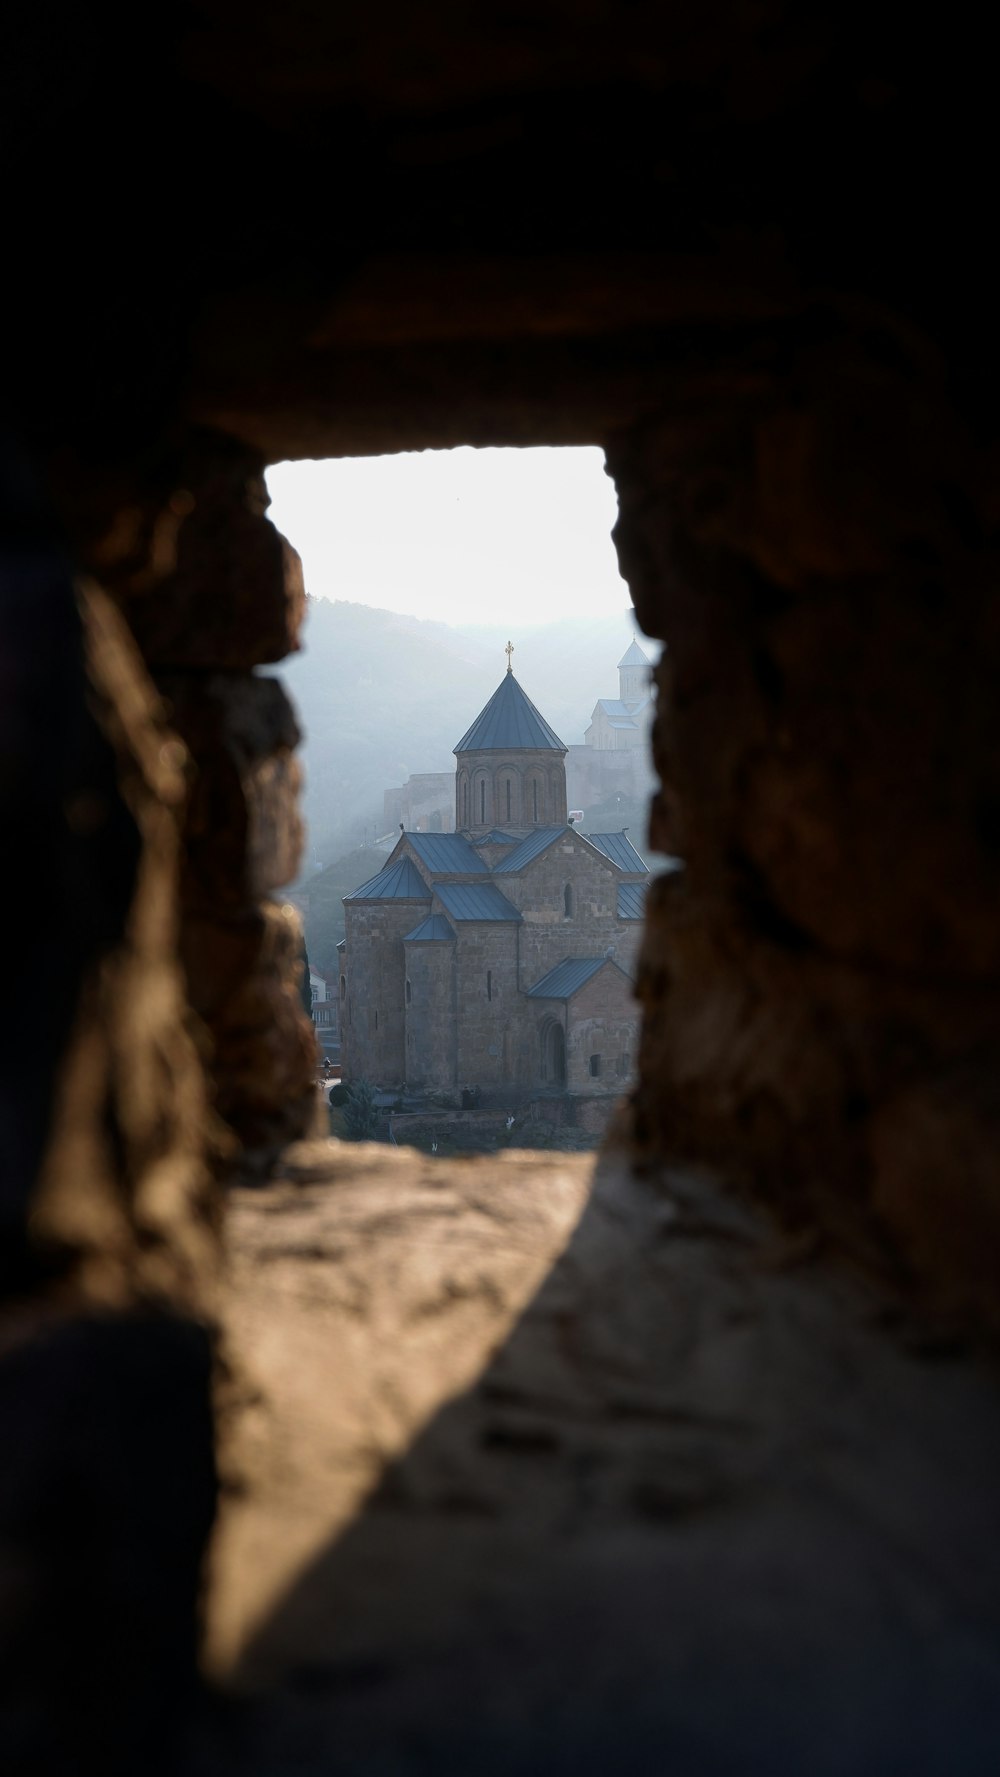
<point x="409" y="993"/>
<point x="350" y="1011"/>
<point x="508" y="798"/>
<point x="465" y="804"/>
<point x="534" y="800"/>
<point x="343" y="987"/>
<point x="482" y="801"/>
<point x="568" y="901"/>
<point x="376" y="1021"/>
<point x="489" y="984"/>
<point x="595" y="1067"/>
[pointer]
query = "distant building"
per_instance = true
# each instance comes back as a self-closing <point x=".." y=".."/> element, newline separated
<point x="424" y="803"/>
<point x="615" y="758"/>
<point x="501" y="954"/>
<point x="325" y="1013"/>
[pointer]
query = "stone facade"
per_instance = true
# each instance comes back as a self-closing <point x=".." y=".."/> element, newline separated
<point x="439" y="991"/>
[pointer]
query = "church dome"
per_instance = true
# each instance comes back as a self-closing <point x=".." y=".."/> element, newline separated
<point x="509" y="722"/>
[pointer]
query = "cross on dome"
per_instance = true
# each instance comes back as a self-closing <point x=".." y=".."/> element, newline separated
<point x="509" y="651"/>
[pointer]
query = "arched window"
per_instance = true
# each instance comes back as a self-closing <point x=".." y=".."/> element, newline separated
<point x="568" y="901"/>
<point x="508" y="798"/>
<point x="534" y="799"/>
<point x="489" y="984"/>
<point x="482" y="802"/>
<point x="465" y="803"/>
<point x="409" y="993"/>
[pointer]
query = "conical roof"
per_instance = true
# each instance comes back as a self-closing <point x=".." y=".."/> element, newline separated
<point x="510" y="721"/>
<point x="634" y="656"/>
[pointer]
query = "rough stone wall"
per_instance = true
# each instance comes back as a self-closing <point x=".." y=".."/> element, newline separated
<point x="819" y="985"/>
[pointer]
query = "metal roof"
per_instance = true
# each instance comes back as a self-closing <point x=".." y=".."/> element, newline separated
<point x="631" y="900"/>
<point x="432" y="930"/>
<point x="634" y="656"/>
<point x="447" y="854"/>
<point x="400" y="881"/>
<point x="496" y="837"/>
<point x="621" y="722"/>
<point x="529" y="848"/>
<point x="566" y="979"/>
<point x="614" y="708"/>
<point x="619" y="848"/>
<point x="509" y="722"/>
<point x="475" y="900"/>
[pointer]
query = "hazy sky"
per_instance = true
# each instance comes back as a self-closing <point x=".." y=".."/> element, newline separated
<point x="464" y="536"/>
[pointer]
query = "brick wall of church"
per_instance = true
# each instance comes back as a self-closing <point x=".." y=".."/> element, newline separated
<point x="547" y="936"/>
<point x="603" y="1021"/>
<point x="373" y="1030"/>
<point x="430" y="1021"/>
<point x="486" y="963"/>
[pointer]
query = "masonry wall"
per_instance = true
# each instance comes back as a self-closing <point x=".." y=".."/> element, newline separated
<point x="431" y="1015"/>
<point x="373" y="1025"/>
<point x="547" y="937"/>
<point x="602" y="1019"/>
<point x="485" y="1038"/>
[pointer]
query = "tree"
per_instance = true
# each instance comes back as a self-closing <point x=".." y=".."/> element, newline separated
<point x="360" y="1112"/>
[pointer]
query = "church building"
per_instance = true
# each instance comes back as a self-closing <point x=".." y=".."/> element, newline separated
<point x="501" y="954"/>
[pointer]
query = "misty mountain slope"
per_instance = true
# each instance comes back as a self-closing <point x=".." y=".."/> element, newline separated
<point x="381" y="696"/>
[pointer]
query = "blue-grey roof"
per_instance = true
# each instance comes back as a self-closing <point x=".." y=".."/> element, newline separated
<point x="496" y="837"/>
<point x="475" y="900"/>
<point x="619" y="848"/>
<point x="509" y="722"/>
<point x="400" y="881"/>
<point x="631" y="900"/>
<point x="634" y="656"/>
<point x="447" y="854"/>
<point x="620" y="722"/>
<point x="432" y="930"/>
<point x="566" y="979"/>
<point x="529" y="848"/>
<point x="614" y="709"/>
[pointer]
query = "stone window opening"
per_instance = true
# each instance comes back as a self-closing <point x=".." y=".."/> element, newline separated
<point x="489" y="984"/>
<point x="465" y="805"/>
<point x="595" y="1067"/>
<point x="568" y="901"/>
<point x="534" y="800"/>
<point x="508" y="798"/>
<point x="343" y="987"/>
<point x="482" y="802"/>
<point x="409" y="992"/>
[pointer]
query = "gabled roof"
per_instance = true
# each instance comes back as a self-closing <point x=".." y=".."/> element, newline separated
<point x="621" y="722"/>
<point x="529" y="848"/>
<point x="634" y="656"/>
<point x="400" y="881"/>
<point x="566" y="979"/>
<point x="447" y="854"/>
<point x="496" y="837"/>
<point x="614" y="709"/>
<point x="631" y="900"/>
<point x="475" y="900"/>
<point x="509" y="722"/>
<point x="619" y="848"/>
<point x="432" y="930"/>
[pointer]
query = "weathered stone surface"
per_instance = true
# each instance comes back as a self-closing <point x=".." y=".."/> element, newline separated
<point x="533" y="1464"/>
